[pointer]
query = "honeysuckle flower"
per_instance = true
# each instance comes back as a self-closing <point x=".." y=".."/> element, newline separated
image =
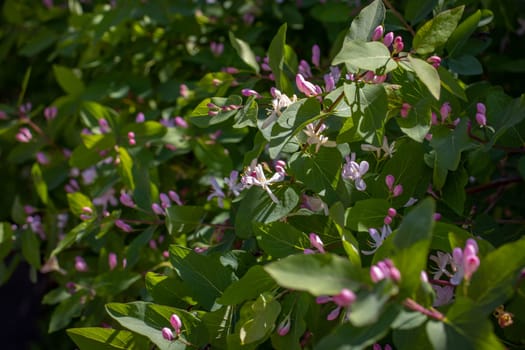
<point x="106" y="198"/>
<point x="389" y="181"/>
<point x="234" y="186"/>
<point x="444" y="295"/>
<point x="434" y="61"/>
<point x="140" y="118"/>
<point x="80" y="264"/>
<point x="131" y="138"/>
<point x="175" y="197"/>
<point x="306" y="87"/>
<point x="465" y="262"/>
<point x="216" y="192"/>
<point x="254" y="175"/>
<point x="164" y="200"/>
<point x="176" y="323"/>
<point x="378" y="33"/>
<point x="354" y="171"/>
<point x="398" y="191"/>
<point x="442" y="260"/>
<point x="123" y="226"/>
<point x="180" y="122"/>
<point x="410" y="202"/>
<point x="377" y="238"/>
<point x="384" y="269"/>
<point x="343" y="300"/>
<point x="184" y="91"/>
<point x="250" y="92"/>
<point x="280" y="101"/>
<point x="316" y="243"/>
<point x="216" y="48"/>
<point x="315" y="136"/>
<point x="398" y="44"/>
<point x="157" y="209"/>
<point x="24" y="135"/>
<point x="316" y="55"/>
<point x="167" y="334"/>
<point x="388" y="149"/>
<point x="42" y="158"/>
<point x="329" y="82"/>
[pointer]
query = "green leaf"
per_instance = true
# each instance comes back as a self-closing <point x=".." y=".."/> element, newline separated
<point x="257" y="206"/>
<point x="292" y="121"/>
<point x="349" y="337"/>
<point x="168" y="290"/>
<point x="427" y="74"/>
<point x="463" y="32"/>
<point x="451" y="84"/>
<point x="31" y="248"/>
<point x="40" y="184"/>
<point x="148" y="319"/>
<point x="206" y="277"/>
<point x="363" y="25"/>
<point x="367" y="213"/>
<point x="77" y="201"/>
<point x="75" y="235"/>
<point x="258" y="319"/>
<point x="124" y="167"/>
<point x="183" y="218"/>
<point x="67" y="310"/>
<point x="493" y="283"/>
<point x="297" y="304"/>
<point x="417" y="124"/>
<point x="371" y="55"/>
<point x="454" y="194"/>
<point x="435" y="33"/>
<point x="99" y="142"/>
<point x="448" y="145"/>
<point x="416" y="10"/>
<point x="276" y="55"/>
<point x="244" y="51"/>
<point x="463" y="329"/>
<point x="68" y="80"/>
<point x="465" y="65"/>
<point x="417" y="225"/>
<point x="504" y="114"/>
<point x="96" y="338"/>
<point x="114" y="282"/>
<point x="326" y="274"/>
<point x="6" y="239"/>
<point x="279" y="239"/>
<point x="144" y="132"/>
<point x="252" y="284"/>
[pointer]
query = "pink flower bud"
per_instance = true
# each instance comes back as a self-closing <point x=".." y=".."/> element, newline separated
<point x="434" y="61"/>
<point x="176" y="323"/>
<point x="334" y="314"/>
<point x="24" y="135"/>
<point x="41" y="158"/>
<point x="80" y="264"/>
<point x="3" y="115"/>
<point x="387" y="220"/>
<point x="344" y="298"/>
<point x="392" y="212"/>
<point x="87" y="210"/>
<point x="250" y="92"/>
<point x="181" y="122"/>
<point x="284" y="327"/>
<point x="126" y="200"/>
<point x="230" y="70"/>
<point x="123" y="226"/>
<point x="481" y="119"/>
<point x="213" y="113"/>
<point x="398" y="44"/>
<point x="104" y="125"/>
<point x="112" y="261"/>
<point x="376" y="274"/>
<point x="398" y="190"/>
<point x="480" y="108"/>
<point x="157" y="209"/>
<point x="437" y="216"/>
<point x="50" y="112"/>
<point x="140" y="118"/>
<point x="329" y="82"/>
<point x="316" y="55"/>
<point x="280" y="166"/>
<point x="316" y="242"/>
<point x="175" y="197"/>
<point x="378" y="33"/>
<point x="445" y="111"/>
<point x="165" y="200"/>
<point x="390" y="180"/>
<point x="167" y="334"/>
<point x="184" y="91"/>
<point x="388" y="39"/>
<point x="306" y="87"/>
<point x="405" y="108"/>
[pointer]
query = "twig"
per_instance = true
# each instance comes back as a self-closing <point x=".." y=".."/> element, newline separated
<point x="400" y="17"/>
<point x="432" y="313"/>
<point x="493" y="184"/>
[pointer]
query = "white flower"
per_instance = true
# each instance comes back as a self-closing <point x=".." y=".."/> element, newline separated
<point x="280" y="101"/>
<point x="254" y="175"/>
<point x="234" y="186"/>
<point x="354" y="171"/>
<point x="377" y="238"/>
<point x="315" y="137"/>
<point x="388" y="149"/>
<point x="442" y="260"/>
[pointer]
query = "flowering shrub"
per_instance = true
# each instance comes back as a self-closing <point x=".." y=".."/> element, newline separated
<point x="196" y="186"/>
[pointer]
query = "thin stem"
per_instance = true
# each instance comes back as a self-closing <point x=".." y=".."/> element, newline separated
<point x="432" y="313"/>
<point x="400" y="17"/>
<point x="494" y="184"/>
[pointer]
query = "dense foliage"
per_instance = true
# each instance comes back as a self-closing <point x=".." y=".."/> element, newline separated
<point x="267" y="174"/>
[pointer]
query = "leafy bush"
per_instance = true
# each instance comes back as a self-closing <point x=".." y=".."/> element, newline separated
<point x="257" y="174"/>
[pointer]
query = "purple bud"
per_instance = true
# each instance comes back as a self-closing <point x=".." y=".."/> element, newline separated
<point x="140" y="118"/>
<point x="390" y="180"/>
<point x="50" y="112"/>
<point x="316" y="242"/>
<point x="387" y="220"/>
<point x="80" y="264"/>
<point x="316" y="55"/>
<point x="42" y="158"/>
<point x="176" y="323"/>
<point x="126" y="200"/>
<point x="104" y="126"/>
<point x="378" y="33"/>
<point x="334" y="314"/>
<point x="388" y="39"/>
<point x="398" y="190"/>
<point x="112" y="261"/>
<point x="398" y="44"/>
<point x="392" y="212"/>
<point x="165" y="200"/>
<point x="181" y="122"/>
<point x="284" y="327"/>
<point x="434" y="61"/>
<point x="480" y="108"/>
<point x="481" y="119"/>
<point x="250" y="92"/>
<point x="175" y="197"/>
<point x="376" y="274"/>
<point x="167" y="334"/>
<point x="123" y="226"/>
<point x="157" y="209"/>
<point x="445" y="111"/>
<point x="306" y="87"/>
<point x="280" y="166"/>
<point x="437" y="216"/>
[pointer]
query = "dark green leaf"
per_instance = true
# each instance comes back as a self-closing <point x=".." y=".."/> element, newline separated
<point x="6" y="239"/>
<point x="454" y="190"/>
<point x="463" y="32"/>
<point x="31" y="248"/>
<point x="278" y="239"/>
<point x="465" y="65"/>
<point x="367" y="213"/>
<point x="276" y="55"/>
<point x="252" y="284"/>
<point x="95" y="338"/>
<point x="183" y="218"/>
<point x="451" y="84"/>
<point x="67" y="310"/>
<point x="68" y="80"/>
<point x="244" y="51"/>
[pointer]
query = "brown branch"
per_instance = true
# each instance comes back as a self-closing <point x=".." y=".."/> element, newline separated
<point x="494" y="184"/>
